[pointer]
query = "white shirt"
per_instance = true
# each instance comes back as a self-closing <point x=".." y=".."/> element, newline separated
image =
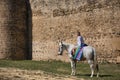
<point x="80" y="40"/>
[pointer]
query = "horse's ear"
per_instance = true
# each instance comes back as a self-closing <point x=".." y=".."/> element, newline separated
<point x="61" y="42"/>
<point x="58" y="41"/>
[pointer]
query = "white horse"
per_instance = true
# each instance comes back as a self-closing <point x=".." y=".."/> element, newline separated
<point x="88" y="53"/>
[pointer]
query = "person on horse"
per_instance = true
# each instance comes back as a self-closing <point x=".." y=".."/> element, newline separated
<point x="78" y="47"/>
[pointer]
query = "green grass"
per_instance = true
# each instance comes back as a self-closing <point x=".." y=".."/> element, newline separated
<point x="107" y="71"/>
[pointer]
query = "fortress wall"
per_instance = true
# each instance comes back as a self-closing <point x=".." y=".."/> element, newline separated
<point x="97" y="20"/>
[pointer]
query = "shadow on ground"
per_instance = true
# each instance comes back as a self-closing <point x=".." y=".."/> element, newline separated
<point x="88" y="75"/>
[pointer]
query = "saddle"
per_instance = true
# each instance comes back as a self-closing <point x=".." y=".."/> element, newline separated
<point x="73" y="51"/>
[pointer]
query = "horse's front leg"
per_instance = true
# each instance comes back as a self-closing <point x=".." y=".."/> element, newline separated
<point x="73" y="67"/>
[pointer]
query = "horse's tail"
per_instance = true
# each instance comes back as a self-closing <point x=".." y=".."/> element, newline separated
<point x="96" y="66"/>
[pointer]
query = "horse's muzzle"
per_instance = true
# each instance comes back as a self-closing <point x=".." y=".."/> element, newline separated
<point x="59" y="53"/>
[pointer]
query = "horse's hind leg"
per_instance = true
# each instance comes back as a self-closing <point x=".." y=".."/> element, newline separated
<point x="92" y="70"/>
<point x="97" y="68"/>
<point x="91" y="67"/>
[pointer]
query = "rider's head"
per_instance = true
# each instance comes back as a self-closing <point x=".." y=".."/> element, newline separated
<point x="78" y="33"/>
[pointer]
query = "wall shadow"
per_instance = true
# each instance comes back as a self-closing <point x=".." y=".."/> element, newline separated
<point x="18" y="30"/>
<point x="29" y="30"/>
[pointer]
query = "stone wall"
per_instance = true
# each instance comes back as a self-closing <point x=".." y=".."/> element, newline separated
<point x="97" y="20"/>
<point x="26" y="34"/>
<point x="13" y="30"/>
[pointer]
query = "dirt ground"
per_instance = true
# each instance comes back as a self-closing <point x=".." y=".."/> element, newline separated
<point x="18" y="74"/>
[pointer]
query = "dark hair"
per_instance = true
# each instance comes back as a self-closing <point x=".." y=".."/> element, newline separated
<point x="78" y="33"/>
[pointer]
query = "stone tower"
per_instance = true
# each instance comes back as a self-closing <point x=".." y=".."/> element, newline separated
<point x="14" y="38"/>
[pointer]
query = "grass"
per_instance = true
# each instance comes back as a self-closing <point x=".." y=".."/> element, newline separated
<point x="107" y="71"/>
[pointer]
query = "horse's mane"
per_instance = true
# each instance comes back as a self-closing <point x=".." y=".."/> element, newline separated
<point x="68" y="44"/>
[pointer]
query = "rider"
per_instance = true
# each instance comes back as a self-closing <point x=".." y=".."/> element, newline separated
<point x="80" y="44"/>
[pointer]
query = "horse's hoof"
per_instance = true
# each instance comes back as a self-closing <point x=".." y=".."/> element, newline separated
<point x="72" y="74"/>
<point x="97" y="76"/>
<point x="91" y="76"/>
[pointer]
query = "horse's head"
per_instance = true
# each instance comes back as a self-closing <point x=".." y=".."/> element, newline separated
<point x="60" y="50"/>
